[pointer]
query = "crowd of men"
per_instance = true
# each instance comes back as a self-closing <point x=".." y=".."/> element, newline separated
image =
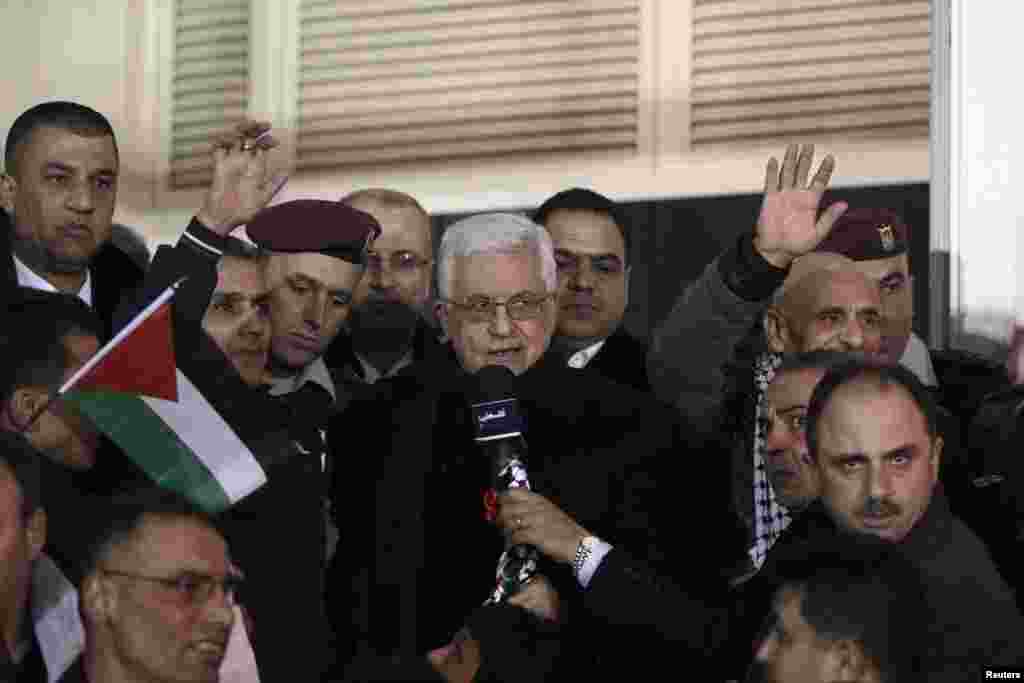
<point x="782" y="486"/>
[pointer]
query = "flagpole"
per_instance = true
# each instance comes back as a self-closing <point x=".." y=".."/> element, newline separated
<point x="102" y="353"/>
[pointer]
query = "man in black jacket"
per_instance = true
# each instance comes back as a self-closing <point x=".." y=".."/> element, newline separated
<point x="873" y="433"/>
<point x="58" y="194"/>
<point x="592" y="237"/>
<point x="604" y="451"/>
<point x="390" y="327"/>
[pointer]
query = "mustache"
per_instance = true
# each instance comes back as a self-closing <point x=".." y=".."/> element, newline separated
<point x="579" y="298"/>
<point x="879" y="507"/>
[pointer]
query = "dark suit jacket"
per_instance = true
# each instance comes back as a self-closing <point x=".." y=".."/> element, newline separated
<point x="416" y="556"/>
<point x="114" y="275"/>
<point x="975" y="620"/>
<point x="347" y="371"/>
<point x="623" y="359"/>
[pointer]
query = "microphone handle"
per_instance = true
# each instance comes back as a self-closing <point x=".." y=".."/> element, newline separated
<point x="518" y="564"/>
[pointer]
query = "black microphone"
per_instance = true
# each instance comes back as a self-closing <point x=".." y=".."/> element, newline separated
<point x="499" y="427"/>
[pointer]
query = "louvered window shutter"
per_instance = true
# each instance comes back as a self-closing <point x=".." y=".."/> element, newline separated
<point x="771" y="69"/>
<point x="211" y="82"/>
<point x="384" y="81"/>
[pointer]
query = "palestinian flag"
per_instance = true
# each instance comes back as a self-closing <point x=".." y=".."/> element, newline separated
<point x="133" y="392"/>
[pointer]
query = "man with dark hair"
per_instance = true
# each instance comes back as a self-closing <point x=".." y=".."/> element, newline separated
<point x="791" y="471"/>
<point x="158" y="593"/>
<point x="34" y="595"/>
<point x="238" y="316"/>
<point x="592" y="237"/>
<point x="879" y="242"/>
<point x="873" y="433"/>
<point x="850" y="611"/>
<point x="46" y="338"/>
<point x="58" y="194"/>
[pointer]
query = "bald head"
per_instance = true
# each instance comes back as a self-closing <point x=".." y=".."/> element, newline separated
<point x="827" y="303"/>
<point x="401" y="267"/>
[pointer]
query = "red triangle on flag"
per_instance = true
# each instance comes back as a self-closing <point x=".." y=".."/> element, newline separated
<point x="141" y="363"/>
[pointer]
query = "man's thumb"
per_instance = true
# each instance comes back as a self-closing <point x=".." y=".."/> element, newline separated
<point x="829" y="217"/>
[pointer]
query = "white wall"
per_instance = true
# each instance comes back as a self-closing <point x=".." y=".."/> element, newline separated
<point x="115" y="54"/>
<point x="88" y="51"/>
<point x="977" y="188"/>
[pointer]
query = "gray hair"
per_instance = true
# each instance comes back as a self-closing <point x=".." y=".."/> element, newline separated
<point x="492" y="233"/>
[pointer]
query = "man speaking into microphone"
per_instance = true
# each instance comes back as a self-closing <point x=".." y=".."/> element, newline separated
<point x="418" y="552"/>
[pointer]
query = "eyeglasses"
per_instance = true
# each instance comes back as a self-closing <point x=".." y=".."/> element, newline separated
<point x="404" y="262"/>
<point x="191" y="587"/>
<point x="523" y="306"/>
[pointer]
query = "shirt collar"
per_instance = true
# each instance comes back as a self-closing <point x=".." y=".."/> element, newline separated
<point x="314" y="372"/>
<point x="28" y="278"/>
<point x="371" y="374"/>
<point x="55" y="618"/>
<point x="581" y="358"/>
<point x="917" y="359"/>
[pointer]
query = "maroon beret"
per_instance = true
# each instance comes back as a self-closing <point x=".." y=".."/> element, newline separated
<point x="316" y="225"/>
<point x="867" y="234"/>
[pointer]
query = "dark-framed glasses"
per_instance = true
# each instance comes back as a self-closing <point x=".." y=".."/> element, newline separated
<point x="194" y="588"/>
<point x="400" y="261"/>
<point x="522" y="306"/>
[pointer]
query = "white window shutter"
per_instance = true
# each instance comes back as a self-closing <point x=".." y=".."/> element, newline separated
<point x="765" y="70"/>
<point x="210" y="86"/>
<point x="392" y="81"/>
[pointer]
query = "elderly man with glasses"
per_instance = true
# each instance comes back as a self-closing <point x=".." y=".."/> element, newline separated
<point x="602" y="450"/>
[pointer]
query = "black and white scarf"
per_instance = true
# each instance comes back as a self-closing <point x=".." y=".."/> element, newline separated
<point x="770" y="517"/>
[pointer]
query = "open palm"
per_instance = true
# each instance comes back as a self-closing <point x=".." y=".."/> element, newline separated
<point x="789" y="225"/>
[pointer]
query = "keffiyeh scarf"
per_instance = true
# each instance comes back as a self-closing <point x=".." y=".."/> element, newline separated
<point x="770" y="517"/>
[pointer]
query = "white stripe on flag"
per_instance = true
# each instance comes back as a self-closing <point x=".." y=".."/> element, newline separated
<point x="214" y="443"/>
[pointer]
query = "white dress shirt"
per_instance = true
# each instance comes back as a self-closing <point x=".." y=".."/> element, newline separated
<point x="917" y="359"/>
<point x="28" y="278"/>
<point x="580" y="359"/>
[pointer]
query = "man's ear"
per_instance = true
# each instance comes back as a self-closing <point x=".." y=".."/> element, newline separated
<point x="25" y="402"/>
<point x="8" y="189"/>
<point x="776" y="331"/>
<point x="98" y="597"/>
<point x="847" y="662"/>
<point x="936" y="456"/>
<point x="36" y="530"/>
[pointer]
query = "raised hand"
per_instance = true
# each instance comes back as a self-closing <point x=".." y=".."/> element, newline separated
<point x="789" y="226"/>
<point x="242" y="182"/>
<point x="531" y="519"/>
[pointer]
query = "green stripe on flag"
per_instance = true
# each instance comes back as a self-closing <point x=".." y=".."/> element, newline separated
<point x="149" y="442"/>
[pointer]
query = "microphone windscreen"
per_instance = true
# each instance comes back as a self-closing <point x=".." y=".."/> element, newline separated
<point x="494" y="406"/>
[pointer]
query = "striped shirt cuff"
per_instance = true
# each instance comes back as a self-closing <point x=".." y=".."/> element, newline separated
<point x="204" y="239"/>
<point x="590" y="565"/>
